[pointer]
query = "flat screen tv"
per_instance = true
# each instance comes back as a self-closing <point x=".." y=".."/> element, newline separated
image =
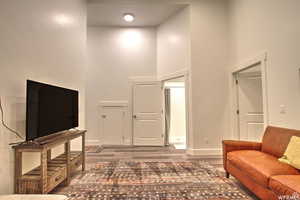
<point x="50" y="109"/>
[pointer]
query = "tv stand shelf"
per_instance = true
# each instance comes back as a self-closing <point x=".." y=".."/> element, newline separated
<point x="52" y="171"/>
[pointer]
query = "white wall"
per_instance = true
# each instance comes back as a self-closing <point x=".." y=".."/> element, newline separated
<point x="273" y="26"/>
<point x="114" y="55"/>
<point x="174" y="52"/>
<point x="209" y="68"/>
<point x="173" y="43"/>
<point x="209" y="37"/>
<point x="224" y="34"/>
<point x="201" y="45"/>
<point x="36" y="44"/>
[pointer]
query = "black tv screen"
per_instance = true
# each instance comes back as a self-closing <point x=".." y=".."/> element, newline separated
<point x="50" y="109"/>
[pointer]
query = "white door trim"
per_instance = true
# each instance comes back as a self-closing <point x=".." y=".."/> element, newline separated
<point x="183" y="73"/>
<point x="141" y="79"/>
<point x="262" y="60"/>
<point x="113" y="103"/>
<point x="174" y="75"/>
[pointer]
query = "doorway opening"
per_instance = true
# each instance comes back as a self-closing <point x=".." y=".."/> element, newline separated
<point x="250" y="108"/>
<point x="175" y="112"/>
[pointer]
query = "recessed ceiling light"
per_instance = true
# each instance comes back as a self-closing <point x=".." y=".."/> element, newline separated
<point x="128" y="17"/>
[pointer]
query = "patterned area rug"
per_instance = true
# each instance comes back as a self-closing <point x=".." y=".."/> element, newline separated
<point x="152" y="180"/>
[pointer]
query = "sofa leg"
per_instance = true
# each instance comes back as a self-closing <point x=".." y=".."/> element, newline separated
<point x="227" y="174"/>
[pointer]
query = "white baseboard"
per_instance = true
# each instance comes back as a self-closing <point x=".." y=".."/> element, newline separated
<point x="127" y="142"/>
<point x="177" y="140"/>
<point x="206" y="152"/>
<point x="92" y="142"/>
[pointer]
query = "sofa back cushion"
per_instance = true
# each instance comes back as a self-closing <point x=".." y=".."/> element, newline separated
<point x="276" y="140"/>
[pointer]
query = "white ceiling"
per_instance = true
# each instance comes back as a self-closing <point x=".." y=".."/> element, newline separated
<point x="146" y="14"/>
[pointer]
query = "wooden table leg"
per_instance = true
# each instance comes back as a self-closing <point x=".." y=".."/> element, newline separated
<point x="83" y="152"/>
<point x="68" y="161"/>
<point x="18" y="170"/>
<point x="44" y="172"/>
<point x="49" y="155"/>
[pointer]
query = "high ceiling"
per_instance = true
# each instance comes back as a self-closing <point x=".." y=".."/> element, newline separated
<point x="146" y="14"/>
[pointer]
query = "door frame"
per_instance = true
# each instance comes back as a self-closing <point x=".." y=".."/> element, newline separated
<point x="259" y="60"/>
<point x="185" y="74"/>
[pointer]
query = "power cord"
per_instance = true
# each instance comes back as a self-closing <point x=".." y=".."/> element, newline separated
<point x="3" y="123"/>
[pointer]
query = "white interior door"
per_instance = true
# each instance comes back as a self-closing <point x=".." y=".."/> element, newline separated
<point x="250" y="102"/>
<point x="112" y="126"/>
<point x="147" y="114"/>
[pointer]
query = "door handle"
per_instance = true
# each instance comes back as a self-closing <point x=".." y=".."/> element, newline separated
<point x="134" y="116"/>
<point x="103" y="116"/>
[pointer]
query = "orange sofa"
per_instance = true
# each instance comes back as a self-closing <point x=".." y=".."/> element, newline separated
<point x="257" y="167"/>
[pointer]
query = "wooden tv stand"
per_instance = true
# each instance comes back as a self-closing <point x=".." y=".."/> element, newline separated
<point x="52" y="171"/>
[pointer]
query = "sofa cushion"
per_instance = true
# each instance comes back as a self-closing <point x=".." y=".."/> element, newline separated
<point x="259" y="165"/>
<point x="285" y="184"/>
<point x="276" y="140"/>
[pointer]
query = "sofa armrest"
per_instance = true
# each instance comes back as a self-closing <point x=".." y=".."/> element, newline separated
<point x="234" y="145"/>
